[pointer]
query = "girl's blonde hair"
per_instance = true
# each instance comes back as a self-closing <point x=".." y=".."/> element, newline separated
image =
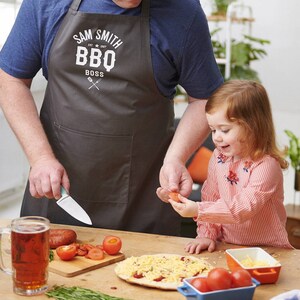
<point x="248" y="104"/>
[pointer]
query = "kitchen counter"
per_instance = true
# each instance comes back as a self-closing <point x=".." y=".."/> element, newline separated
<point x="135" y="244"/>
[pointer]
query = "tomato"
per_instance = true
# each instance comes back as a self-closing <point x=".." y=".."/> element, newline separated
<point x="112" y="244"/>
<point x="200" y="283"/>
<point x="99" y="246"/>
<point x="174" y="196"/>
<point x="219" y="279"/>
<point x="240" y="278"/>
<point x="81" y="252"/>
<point x="66" y="252"/>
<point x="87" y="247"/>
<point x="95" y="254"/>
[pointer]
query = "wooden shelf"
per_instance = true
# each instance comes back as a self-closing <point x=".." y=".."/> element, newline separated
<point x="221" y="18"/>
<point x="221" y="61"/>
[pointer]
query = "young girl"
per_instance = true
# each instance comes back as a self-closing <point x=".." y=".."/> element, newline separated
<point x="242" y="198"/>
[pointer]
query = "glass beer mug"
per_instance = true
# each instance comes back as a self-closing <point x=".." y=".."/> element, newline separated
<point x="29" y="248"/>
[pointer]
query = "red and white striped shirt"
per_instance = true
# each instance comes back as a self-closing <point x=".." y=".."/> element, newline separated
<point x="242" y="202"/>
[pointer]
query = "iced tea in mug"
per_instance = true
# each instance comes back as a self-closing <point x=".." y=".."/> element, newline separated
<point x="29" y="254"/>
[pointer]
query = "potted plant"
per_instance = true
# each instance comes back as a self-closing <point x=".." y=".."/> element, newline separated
<point x="220" y="7"/>
<point x="293" y="152"/>
<point x="243" y="52"/>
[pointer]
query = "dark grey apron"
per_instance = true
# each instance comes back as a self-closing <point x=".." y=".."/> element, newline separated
<point x="107" y="123"/>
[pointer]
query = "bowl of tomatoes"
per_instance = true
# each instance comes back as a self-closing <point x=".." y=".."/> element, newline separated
<point x="220" y="284"/>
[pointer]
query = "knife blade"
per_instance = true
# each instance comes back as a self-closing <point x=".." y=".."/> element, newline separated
<point x="67" y="203"/>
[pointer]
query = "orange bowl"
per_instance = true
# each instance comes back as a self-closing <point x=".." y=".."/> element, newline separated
<point x="261" y="265"/>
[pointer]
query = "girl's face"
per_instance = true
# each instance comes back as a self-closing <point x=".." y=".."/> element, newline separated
<point x="225" y="134"/>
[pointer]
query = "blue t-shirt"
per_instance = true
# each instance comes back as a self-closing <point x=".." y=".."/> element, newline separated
<point x="180" y="42"/>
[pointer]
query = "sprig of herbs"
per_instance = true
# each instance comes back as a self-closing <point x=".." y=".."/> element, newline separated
<point x="51" y="255"/>
<point x="78" y="293"/>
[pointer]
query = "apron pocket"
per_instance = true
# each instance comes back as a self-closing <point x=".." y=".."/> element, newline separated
<point x="98" y="165"/>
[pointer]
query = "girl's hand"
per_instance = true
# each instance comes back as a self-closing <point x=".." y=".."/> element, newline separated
<point x="199" y="244"/>
<point x="186" y="208"/>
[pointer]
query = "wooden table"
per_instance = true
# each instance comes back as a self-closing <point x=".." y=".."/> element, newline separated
<point x="136" y="244"/>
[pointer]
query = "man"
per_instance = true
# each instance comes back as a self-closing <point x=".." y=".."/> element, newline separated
<point x="107" y="117"/>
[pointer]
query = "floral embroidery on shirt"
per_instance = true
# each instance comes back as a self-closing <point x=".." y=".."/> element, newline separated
<point x="247" y="165"/>
<point x="221" y="158"/>
<point x="232" y="177"/>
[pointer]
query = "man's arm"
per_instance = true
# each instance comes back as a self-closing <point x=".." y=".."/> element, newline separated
<point x="19" y="108"/>
<point x="190" y="134"/>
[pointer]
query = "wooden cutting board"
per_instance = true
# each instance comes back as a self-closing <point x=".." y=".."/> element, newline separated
<point x="81" y="264"/>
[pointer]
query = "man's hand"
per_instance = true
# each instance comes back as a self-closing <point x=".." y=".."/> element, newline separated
<point x="45" y="178"/>
<point x="174" y="177"/>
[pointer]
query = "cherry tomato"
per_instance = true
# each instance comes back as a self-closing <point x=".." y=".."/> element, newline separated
<point x="174" y="196"/>
<point x="95" y="254"/>
<point x="200" y="283"/>
<point x="66" y="252"/>
<point x="240" y="278"/>
<point x="219" y="279"/>
<point x="112" y="244"/>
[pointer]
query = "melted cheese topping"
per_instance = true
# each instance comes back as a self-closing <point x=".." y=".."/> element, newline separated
<point x="169" y="268"/>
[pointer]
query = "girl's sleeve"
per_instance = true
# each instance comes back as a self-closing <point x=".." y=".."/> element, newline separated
<point x="208" y="230"/>
<point x="264" y="185"/>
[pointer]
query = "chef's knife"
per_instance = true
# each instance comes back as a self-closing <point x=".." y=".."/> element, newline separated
<point x="67" y="203"/>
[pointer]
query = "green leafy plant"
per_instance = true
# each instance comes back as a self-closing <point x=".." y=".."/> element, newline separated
<point x="242" y="54"/>
<point x="75" y="292"/>
<point x="221" y="6"/>
<point x="293" y="150"/>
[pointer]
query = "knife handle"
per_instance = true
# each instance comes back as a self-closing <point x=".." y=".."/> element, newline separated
<point x="63" y="191"/>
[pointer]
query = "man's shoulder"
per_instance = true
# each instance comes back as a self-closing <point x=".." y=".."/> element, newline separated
<point x="43" y="10"/>
<point x="177" y="7"/>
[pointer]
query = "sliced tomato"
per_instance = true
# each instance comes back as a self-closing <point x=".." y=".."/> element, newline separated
<point x="76" y="245"/>
<point x="200" y="283"/>
<point x="160" y="278"/>
<point x="138" y="275"/>
<point x="99" y="246"/>
<point x="95" y="254"/>
<point x="66" y="252"/>
<point x="241" y="278"/>
<point x="82" y="252"/>
<point x="87" y="247"/>
<point x="219" y="279"/>
<point x="112" y="244"/>
<point x="174" y="196"/>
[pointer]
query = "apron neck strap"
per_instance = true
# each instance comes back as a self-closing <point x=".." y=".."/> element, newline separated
<point x="75" y="5"/>
<point x="145" y="7"/>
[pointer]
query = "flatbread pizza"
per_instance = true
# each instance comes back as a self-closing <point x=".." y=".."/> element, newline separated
<point x="162" y="271"/>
